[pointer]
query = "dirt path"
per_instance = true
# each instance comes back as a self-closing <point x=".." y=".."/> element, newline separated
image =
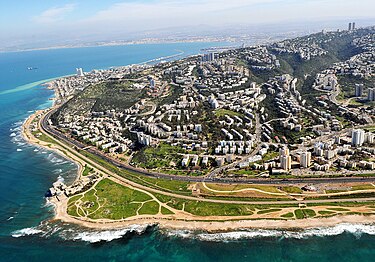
<point x="61" y="204"/>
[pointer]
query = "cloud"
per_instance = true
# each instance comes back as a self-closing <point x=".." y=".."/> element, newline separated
<point x="54" y="14"/>
<point x="164" y="13"/>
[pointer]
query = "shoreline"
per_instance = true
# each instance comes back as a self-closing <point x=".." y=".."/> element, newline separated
<point x="213" y="226"/>
<point x="225" y="225"/>
<point x="116" y="44"/>
<point x="178" y="221"/>
<point x="193" y="223"/>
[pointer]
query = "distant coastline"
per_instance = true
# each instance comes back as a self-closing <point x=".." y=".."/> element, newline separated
<point x="118" y="43"/>
<point x="212" y="223"/>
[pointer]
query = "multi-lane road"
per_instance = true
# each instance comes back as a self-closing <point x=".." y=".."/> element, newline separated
<point x="44" y="124"/>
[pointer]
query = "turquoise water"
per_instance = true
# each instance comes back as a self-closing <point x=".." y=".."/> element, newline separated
<point x="26" y="172"/>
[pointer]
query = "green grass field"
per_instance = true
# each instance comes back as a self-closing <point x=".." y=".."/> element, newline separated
<point x="87" y="170"/>
<point x="112" y="201"/>
<point x="223" y="112"/>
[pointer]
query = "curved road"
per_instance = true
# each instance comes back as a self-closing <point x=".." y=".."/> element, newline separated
<point x="58" y="135"/>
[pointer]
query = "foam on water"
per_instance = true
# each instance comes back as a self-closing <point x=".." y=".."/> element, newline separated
<point x="355" y="229"/>
<point x="56" y="160"/>
<point x="26" y="232"/>
<point x="60" y="178"/>
<point x="57" y="171"/>
<point x="108" y="235"/>
<point x="69" y="233"/>
<point x="19" y="149"/>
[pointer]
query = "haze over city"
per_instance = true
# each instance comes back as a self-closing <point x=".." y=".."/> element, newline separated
<point x="50" y="23"/>
<point x="187" y="130"/>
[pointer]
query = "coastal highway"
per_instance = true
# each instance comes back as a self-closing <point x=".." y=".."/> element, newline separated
<point x="44" y="124"/>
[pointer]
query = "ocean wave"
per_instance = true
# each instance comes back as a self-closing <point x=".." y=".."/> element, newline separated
<point x="355" y="229"/>
<point x="19" y="149"/>
<point x="60" y="178"/>
<point x="47" y="204"/>
<point x="26" y="232"/>
<point x="9" y="218"/>
<point x="109" y="235"/>
<point x="57" y="171"/>
<point x="17" y="124"/>
<point x="56" y="159"/>
<point x="13" y="134"/>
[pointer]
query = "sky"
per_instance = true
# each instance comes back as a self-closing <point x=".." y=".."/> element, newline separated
<point x="29" y="20"/>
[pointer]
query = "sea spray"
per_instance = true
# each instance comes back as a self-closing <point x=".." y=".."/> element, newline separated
<point x="26" y="232"/>
<point x="109" y="235"/>
<point x="355" y="229"/>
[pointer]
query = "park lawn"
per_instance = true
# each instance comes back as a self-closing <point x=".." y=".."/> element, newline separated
<point x="288" y="215"/>
<point x="43" y="137"/>
<point x="72" y="208"/>
<point x="326" y="212"/>
<point x="266" y="211"/>
<point x="234" y="187"/>
<point x="200" y="208"/>
<point x="291" y="189"/>
<point x="304" y="213"/>
<point x="167" y="185"/>
<point x="338" y="209"/>
<point x="363" y="187"/>
<point x="149" y="208"/>
<point x="115" y="201"/>
<point x="217" y="209"/>
<point x="270" y="155"/>
<point x="178" y="187"/>
<point x="158" y="157"/>
<point x="87" y="170"/>
<point x="166" y="211"/>
<point x="223" y="112"/>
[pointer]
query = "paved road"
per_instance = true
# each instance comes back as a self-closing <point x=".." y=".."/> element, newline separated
<point x="74" y="143"/>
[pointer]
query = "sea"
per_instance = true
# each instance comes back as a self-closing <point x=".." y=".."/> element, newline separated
<point x="27" y="231"/>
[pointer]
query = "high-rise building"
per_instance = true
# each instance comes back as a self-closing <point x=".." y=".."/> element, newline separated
<point x="152" y="83"/>
<point x="305" y="159"/>
<point x="284" y="151"/>
<point x="350" y="27"/>
<point x="353" y="26"/>
<point x="212" y="56"/>
<point x="358" y="90"/>
<point x="329" y="154"/>
<point x="209" y="57"/>
<point x="286" y="162"/>
<point x="79" y="72"/>
<point x="358" y="137"/>
<point x="369" y="138"/>
<point x="285" y="159"/>
<point x="371" y="94"/>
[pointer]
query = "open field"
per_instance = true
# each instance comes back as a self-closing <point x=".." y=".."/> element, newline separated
<point x="108" y="200"/>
